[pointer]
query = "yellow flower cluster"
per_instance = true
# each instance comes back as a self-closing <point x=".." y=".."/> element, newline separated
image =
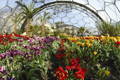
<point x="84" y="44"/>
<point x="115" y="39"/>
<point x="92" y="38"/>
<point x="80" y="44"/>
<point x="73" y="38"/>
<point x="89" y="41"/>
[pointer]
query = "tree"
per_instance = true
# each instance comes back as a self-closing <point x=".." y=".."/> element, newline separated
<point x="40" y="29"/>
<point x="16" y="19"/>
<point x="82" y="31"/>
<point x="27" y="13"/>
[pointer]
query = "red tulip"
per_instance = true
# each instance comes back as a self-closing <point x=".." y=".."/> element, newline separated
<point x="118" y="42"/>
<point x="80" y="74"/>
<point x="74" y="61"/>
<point x="59" y="56"/>
<point x="61" y="73"/>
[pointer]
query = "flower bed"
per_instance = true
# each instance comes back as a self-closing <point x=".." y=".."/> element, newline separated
<point x="51" y="58"/>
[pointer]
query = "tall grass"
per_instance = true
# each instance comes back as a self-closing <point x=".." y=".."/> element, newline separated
<point x="105" y="28"/>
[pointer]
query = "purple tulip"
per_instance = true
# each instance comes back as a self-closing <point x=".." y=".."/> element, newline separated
<point x="26" y="46"/>
<point x="31" y="40"/>
<point x="37" y="52"/>
<point x="10" y="78"/>
<point x="43" y="47"/>
<point x="2" y="78"/>
<point x="49" y="39"/>
<point x="2" y="55"/>
<point x="13" y="53"/>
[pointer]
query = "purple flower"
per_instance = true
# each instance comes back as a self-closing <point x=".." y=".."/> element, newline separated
<point x="13" y="53"/>
<point x="37" y="38"/>
<point x="26" y="46"/>
<point x="27" y="54"/>
<point x="2" y="55"/>
<point x="10" y="78"/>
<point x="37" y="52"/>
<point x="35" y="48"/>
<point x="20" y="40"/>
<point x="2" y="78"/>
<point x="43" y="47"/>
<point x="31" y="40"/>
<point x="49" y="39"/>
<point x="10" y="53"/>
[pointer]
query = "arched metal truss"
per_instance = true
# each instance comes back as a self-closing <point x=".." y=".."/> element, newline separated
<point x="70" y="13"/>
<point x="68" y="3"/>
<point x="75" y="12"/>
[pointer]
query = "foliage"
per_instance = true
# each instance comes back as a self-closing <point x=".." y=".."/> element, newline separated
<point x="26" y="60"/>
<point x="37" y="30"/>
<point x="108" y="29"/>
<point x="27" y="13"/>
<point x="66" y="58"/>
<point x="82" y="31"/>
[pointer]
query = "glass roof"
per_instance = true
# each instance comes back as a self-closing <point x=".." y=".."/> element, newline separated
<point x="109" y="10"/>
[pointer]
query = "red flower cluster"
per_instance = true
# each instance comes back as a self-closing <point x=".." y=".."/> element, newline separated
<point x="118" y="42"/>
<point x="9" y="38"/>
<point x="62" y="42"/>
<point x="60" y="52"/>
<point x="59" y="56"/>
<point x="80" y="74"/>
<point x="61" y="73"/>
<point x="74" y="61"/>
<point x="21" y="36"/>
<point x="75" y="66"/>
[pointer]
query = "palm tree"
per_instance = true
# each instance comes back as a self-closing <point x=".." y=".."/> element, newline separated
<point x="27" y="13"/>
<point x="82" y="31"/>
<point x="16" y="19"/>
<point x="40" y="29"/>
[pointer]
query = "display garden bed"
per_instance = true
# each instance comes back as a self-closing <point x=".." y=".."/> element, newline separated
<point x="53" y="58"/>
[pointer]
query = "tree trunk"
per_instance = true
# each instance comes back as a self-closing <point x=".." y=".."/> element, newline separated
<point x="43" y="29"/>
<point x="3" y="29"/>
<point x="15" y="28"/>
<point x="25" y="25"/>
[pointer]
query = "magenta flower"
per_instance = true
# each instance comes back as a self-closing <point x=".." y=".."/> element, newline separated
<point x="2" y="55"/>
<point x="2" y="69"/>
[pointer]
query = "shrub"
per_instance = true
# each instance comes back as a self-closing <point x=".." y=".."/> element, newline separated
<point x="108" y="29"/>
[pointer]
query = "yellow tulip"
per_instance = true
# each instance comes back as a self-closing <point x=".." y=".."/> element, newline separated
<point x="114" y="39"/>
<point x="88" y="44"/>
<point x="107" y="72"/>
<point x="95" y="53"/>
<point x="82" y="44"/>
<point x="78" y="43"/>
<point x="91" y="41"/>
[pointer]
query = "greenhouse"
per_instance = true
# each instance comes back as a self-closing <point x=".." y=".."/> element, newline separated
<point x="60" y="40"/>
